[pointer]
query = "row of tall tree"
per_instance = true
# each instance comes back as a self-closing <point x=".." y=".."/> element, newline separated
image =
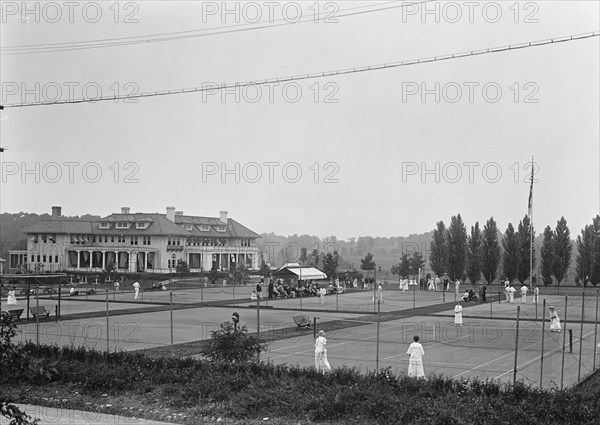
<point x="480" y="253"/>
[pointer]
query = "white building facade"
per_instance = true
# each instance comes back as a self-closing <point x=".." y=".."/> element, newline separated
<point x="136" y="243"/>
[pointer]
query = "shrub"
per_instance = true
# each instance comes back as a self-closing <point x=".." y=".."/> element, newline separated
<point x="232" y="346"/>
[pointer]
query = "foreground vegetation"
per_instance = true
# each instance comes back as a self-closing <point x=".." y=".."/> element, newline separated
<point x="192" y="391"/>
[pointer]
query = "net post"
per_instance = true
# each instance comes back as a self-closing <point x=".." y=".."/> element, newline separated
<point x="581" y="335"/>
<point x="562" y="367"/>
<point x="37" y="316"/>
<point x="491" y="310"/>
<point x="516" y="345"/>
<point x="258" y="327"/>
<point x="542" y="349"/>
<point x="570" y="341"/>
<point x="171" y="316"/>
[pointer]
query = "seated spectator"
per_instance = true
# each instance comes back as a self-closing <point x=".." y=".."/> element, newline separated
<point x="465" y="296"/>
<point x="73" y="292"/>
<point x="253" y="296"/>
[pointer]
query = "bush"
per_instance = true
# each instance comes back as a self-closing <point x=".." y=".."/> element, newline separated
<point x="232" y="346"/>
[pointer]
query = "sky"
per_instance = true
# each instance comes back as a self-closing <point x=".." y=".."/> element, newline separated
<point x="385" y="152"/>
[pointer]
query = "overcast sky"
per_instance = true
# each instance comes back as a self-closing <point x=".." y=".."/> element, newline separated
<point x="360" y="141"/>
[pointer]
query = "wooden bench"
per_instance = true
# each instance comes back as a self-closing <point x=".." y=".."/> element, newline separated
<point x="15" y="314"/>
<point x="39" y="311"/>
<point x="302" y="321"/>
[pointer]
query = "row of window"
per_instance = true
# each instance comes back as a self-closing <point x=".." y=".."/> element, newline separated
<point x="85" y="239"/>
<point x="124" y="225"/>
<point x="44" y="258"/>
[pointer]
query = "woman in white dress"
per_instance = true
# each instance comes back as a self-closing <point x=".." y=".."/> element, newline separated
<point x="12" y="297"/>
<point x="554" y="321"/>
<point x="458" y="321"/>
<point x="321" y="362"/>
<point x="415" y="362"/>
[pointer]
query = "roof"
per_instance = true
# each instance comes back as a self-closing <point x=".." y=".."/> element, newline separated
<point x="159" y="224"/>
<point x="304" y="273"/>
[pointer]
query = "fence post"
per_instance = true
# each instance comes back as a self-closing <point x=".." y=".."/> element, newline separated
<point x="37" y="316"/>
<point x="516" y="345"/>
<point x="596" y="348"/>
<point x="171" y="313"/>
<point x="562" y="367"/>
<point x="581" y="335"/>
<point x="491" y="310"/>
<point x="107" y="324"/>
<point x="258" y="327"/>
<point x="542" y="354"/>
<point x="377" y="349"/>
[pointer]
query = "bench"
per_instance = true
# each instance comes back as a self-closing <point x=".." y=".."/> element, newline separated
<point x="39" y="311"/>
<point x="15" y="314"/>
<point x="302" y="321"/>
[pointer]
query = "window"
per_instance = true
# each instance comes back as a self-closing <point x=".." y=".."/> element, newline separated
<point x="133" y="240"/>
<point x="121" y="239"/>
<point x="204" y="228"/>
<point x="112" y="238"/>
<point x="221" y="229"/>
<point x="49" y="258"/>
<point x="32" y="258"/>
<point x="44" y="238"/>
<point x="140" y="225"/>
<point x="56" y="258"/>
<point x="187" y="226"/>
<point x="38" y="258"/>
<point x="43" y="259"/>
<point x="94" y="238"/>
<point x="104" y="225"/>
<point x="121" y="225"/>
<point x="146" y="240"/>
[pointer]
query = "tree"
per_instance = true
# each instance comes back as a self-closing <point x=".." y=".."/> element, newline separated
<point x="303" y="256"/>
<point x="547" y="256"/>
<point x="588" y="253"/>
<point x="265" y="270"/>
<point x="474" y="254"/>
<point x="585" y="254"/>
<point x="330" y="264"/>
<point x="403" y="268"/>
<point x="240" y="274"/>
<point x="416" y="262"/>
<point x="182" y="267"/>
<point x="438" y="259"/>
<point x="457" y="247"/>
<point x="510" y="255"/>
<point x="367" y="263"/>
<point x="230" y="346"/>
<point x="314" y="258"/>
<point x="562" y="250"/>
<point x="526" y="248"/>
<point x="490" y="251"/>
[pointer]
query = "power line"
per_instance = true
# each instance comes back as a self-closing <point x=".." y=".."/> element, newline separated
<point x="181" y="35"/>
<point x="369" y="68"/>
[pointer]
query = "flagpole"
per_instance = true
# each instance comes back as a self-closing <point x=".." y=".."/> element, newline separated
<point x="531" y="227"/>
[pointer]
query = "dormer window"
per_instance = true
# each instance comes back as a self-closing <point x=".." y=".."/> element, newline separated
<point x="204" y="228"/>
<point x="140" y="225"/>
<point x="221" y="228"/>
<point x="104" y="225"/>
<point x="187" y="226"/>
<point x="122" y="225"/>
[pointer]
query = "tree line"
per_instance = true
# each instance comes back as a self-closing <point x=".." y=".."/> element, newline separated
<point x="481" y="252"/>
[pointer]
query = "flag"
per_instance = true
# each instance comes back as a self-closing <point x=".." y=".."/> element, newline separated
<point x="530" y="205"/>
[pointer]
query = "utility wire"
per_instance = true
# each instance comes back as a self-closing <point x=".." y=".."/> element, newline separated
<point x="491" y="50"/>
<point x="181" y="35"/>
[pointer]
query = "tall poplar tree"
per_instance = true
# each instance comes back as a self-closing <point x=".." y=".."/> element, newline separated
<point x="438" y="259"/>
<point x="457" y="247"/>
<point x="474" y="254"/>
<point x="510" y="254"/>
<point x="490" y="251"/>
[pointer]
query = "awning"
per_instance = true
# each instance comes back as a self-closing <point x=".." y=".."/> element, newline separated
<point x="307" y="273"/>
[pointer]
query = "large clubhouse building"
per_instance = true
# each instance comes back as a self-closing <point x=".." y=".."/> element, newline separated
<point x="136" y="243"/>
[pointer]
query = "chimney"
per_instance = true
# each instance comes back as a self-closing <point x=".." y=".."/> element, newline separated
<point x="224" y="216"/>
<point x="124" y="210"/>
<point x="171" y="214"/>
<point x="56" y="212"/>
<point x="178" y="212"/>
